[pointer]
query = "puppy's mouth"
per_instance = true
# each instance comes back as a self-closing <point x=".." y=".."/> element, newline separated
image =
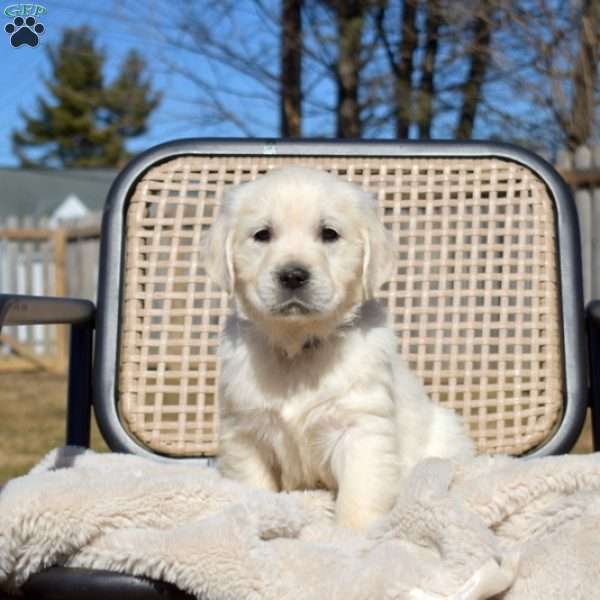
<point x="293" y="307"/>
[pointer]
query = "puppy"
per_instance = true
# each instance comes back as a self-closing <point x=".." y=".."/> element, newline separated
<point x="312" y="391"/>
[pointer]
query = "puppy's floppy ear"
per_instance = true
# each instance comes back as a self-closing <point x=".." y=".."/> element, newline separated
<point x="218" y="249"/>
<point x="378" y="251"/>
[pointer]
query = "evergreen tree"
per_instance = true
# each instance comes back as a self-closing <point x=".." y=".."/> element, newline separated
<point x="129" y="99"/>
<point x="85" y="122"/>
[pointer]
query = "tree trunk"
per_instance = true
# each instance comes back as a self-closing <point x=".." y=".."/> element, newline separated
<point x="479" y="57"/>
<point x="404" y="72"/>
<point x="291" y="68"/>
<point x="585" y="77"/>
<point x="350" y="20"/>
<point x="426" y="87"/>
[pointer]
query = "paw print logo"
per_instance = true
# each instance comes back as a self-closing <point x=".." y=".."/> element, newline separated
<point x="24" y="31"/>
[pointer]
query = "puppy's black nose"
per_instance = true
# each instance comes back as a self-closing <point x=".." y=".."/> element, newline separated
<point x="293" y="277"/>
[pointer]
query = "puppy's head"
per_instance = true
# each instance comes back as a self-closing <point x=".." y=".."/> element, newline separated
<point x="298" y="245"/>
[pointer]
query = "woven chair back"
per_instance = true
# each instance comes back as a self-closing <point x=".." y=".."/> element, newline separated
<point x="474" y="298"/>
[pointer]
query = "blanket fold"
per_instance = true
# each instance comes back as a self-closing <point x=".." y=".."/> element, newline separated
<point x="494" y="527"/>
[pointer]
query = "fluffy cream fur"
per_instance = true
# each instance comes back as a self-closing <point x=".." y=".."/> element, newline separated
<point x="312" y="391"/>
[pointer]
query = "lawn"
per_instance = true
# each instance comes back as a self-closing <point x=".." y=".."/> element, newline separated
<point x="32" y="421"/>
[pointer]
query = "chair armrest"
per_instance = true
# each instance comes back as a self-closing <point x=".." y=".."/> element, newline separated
<point x="592" y="320"/>
<point x="16" y="309"/>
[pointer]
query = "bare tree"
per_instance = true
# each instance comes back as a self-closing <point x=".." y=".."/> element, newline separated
<point x="426" y="90"/>
<point x="291" y="68"/>
<point x="546" y="54"/>
<point x="479" y="59"/>
<point x="585" y="77"/>
<point x="350" y="16"/>
<point x="423" y="89"/>
<point x="520" y="70"/>
<point x="401" y="67"/>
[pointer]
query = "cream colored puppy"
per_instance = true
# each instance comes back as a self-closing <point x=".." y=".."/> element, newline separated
<point x="312" y="391"/>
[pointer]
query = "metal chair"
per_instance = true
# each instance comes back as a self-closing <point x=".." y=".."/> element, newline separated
<point x="486" y="300"/>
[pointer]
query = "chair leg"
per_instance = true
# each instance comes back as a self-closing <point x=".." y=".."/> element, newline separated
<point x="79" y="401"/>
<point x="593" y="331"/>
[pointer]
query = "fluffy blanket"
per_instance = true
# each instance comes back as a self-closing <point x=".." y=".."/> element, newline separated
<point x="490" y="528"/>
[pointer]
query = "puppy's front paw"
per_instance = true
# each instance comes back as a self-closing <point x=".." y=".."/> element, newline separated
<point x="356" y="521"/>
<point x="366" y="470"/>
<point x="357" y="515"/>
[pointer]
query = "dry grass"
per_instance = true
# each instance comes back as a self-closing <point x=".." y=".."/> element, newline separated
<point x="585" y="443"/>
<point x="32" y="417"/>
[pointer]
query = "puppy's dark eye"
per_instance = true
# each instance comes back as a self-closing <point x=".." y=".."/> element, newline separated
<point x="329" y="235"/>
<point x="262" y="235"/>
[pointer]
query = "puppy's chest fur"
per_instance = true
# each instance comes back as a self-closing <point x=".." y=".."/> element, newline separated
<point x="298" y="410"/>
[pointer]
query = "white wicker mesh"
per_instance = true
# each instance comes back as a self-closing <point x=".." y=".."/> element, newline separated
<point x="475" y="299"/>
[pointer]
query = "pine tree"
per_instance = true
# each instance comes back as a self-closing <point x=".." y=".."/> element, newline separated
<point x="85" y="122"/>
<point x="129" y="99"/>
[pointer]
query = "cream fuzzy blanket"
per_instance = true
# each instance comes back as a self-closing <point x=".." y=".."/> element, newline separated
<point x="491" y="528"/>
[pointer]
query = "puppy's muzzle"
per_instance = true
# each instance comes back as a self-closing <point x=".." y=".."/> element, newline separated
<point x="293" y="277"/>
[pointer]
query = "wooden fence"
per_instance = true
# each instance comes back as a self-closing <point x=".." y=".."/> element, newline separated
<point x="581" y="170"/>
<point x="40" y="260"/>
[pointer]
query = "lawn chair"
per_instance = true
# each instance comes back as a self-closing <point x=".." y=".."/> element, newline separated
<point x="486" y="300"/>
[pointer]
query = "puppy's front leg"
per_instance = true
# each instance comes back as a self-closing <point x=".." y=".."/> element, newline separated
<point x="365" y="466"/>
<point x="242" y="460"/>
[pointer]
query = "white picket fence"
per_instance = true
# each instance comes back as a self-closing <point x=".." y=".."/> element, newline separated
<point x="37" y="259"/>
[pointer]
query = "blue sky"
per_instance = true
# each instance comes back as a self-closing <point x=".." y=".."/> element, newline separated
<point x="23" y="70"/>
<point x="123" y="24"/>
